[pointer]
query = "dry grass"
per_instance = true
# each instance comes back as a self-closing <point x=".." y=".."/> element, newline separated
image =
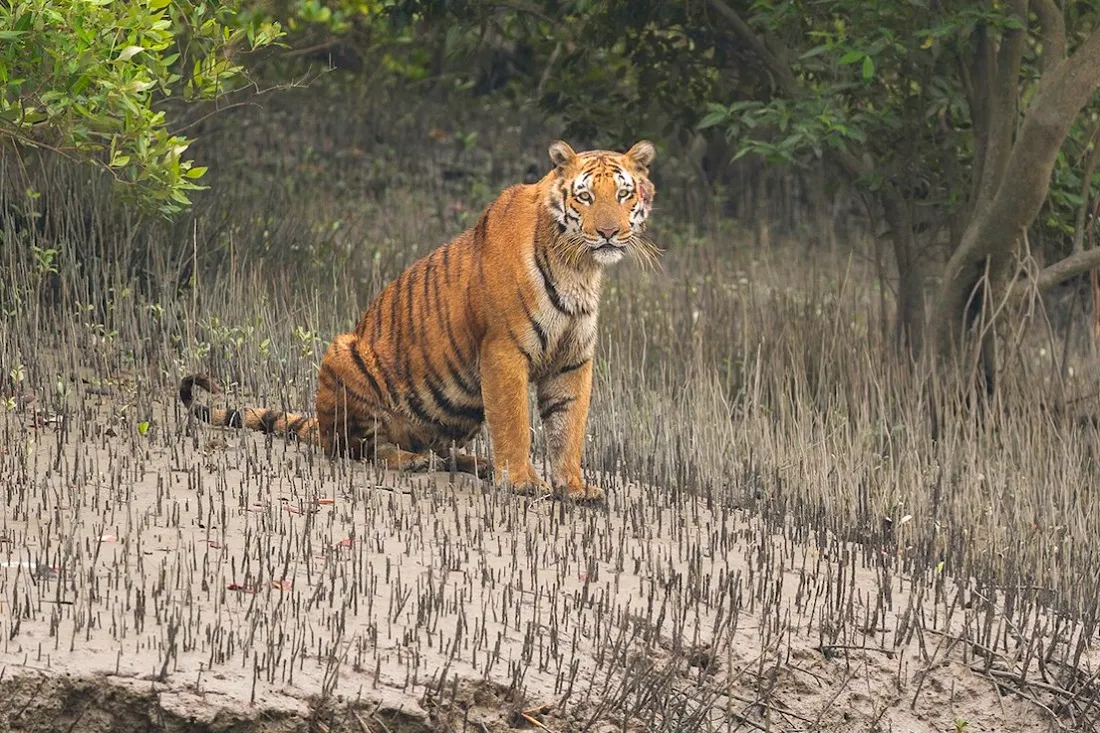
<point x="771" y="459"/>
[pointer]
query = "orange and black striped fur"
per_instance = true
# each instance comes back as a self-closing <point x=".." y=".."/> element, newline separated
<point x="458" y="338"/>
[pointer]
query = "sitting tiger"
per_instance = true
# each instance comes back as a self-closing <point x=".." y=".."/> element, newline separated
<point x="459" y="336"/>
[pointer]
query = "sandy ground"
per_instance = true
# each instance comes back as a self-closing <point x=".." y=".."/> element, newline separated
<point x="190" y="578"/>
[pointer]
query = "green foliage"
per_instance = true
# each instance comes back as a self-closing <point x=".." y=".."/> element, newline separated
<point x="87" y="79"/>
<point x="872" y="75"/>
<point x="337" y="17"/>
<point x="878" y="78"/>
<point x="654" y="64"/>
<point x="889" y="80"/>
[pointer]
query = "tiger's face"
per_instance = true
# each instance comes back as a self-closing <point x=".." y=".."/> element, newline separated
<point x="601" y="200"/>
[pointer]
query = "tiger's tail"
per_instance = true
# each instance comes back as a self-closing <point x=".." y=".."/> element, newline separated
<point x="285" y="424"/>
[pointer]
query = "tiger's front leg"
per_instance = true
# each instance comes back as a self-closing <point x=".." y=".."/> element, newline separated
<point x="563" y="400"/>
<point x="504" y="383"/>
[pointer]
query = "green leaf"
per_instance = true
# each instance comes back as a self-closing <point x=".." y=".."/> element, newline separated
<point x="868" y="68"/>
<point x="196" y="172"/>
<point x="713" y="118"/>
<point x="815" y="51"/>
<point x="129" y="52"/>
<point x="143" y="427"/>
<point x="851" y="57"/>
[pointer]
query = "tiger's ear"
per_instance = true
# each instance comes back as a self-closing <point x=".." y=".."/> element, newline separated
<point x="642" y="153"/>
<point x="561" y="154"/>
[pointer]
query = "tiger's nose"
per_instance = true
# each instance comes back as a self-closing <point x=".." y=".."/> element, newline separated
<point x="608" y="232"/>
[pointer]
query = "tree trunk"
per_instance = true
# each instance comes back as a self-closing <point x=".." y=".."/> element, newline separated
<point x="909" y="326"/>
<point x="994" y="227"/>
<point x="1012" y="172"/>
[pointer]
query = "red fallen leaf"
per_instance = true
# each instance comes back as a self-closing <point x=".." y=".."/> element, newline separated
<point x="346" y="542"/>
<point x="283" y="584"/>
<point x="214" y="543"/>
<point x="108" y="538"/>
<point x="326" y="501"/>
<point x="583" y="577"/>
<point x="238" y="586"/>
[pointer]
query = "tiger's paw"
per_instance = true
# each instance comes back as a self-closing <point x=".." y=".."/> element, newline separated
<point x="531" y="486"/>
<point x="473" y="464"/>
<point x="582" y="492"/>
<point x="396" y="459"/>
<point x="524" y="483"/>
<point x="416" y="463"/>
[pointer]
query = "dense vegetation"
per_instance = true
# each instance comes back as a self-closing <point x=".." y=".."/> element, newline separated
<point x="967" y="129"/>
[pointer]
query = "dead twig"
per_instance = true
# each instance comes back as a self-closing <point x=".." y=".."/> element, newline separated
<point x="1000" y="680"/>
<point x="362" y="723"/>
<point x="1010" y="675"/>
<point x="529" y="716"/>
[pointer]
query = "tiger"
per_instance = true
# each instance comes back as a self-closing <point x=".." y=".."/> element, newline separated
<point x="456" y="341"/>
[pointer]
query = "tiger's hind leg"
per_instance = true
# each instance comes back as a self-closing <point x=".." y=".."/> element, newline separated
<point x="398" y="459"/>
<point x="471" y="463"/>
<point x="451" y="447"/>
<point x="369" y="439"/>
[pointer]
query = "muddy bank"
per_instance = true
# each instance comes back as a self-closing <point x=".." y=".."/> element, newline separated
<point x="108" y="704"/>
<point x="188" y="578"/>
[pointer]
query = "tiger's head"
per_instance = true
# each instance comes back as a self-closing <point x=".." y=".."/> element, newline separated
<point x="600" y="201"/>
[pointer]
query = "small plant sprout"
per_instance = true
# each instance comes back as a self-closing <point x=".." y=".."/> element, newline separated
<point x="307" y="341"/>
<point x="45" y="260"/>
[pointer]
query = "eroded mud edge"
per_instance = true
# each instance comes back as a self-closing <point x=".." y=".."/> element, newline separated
<point x="102" y="703"/>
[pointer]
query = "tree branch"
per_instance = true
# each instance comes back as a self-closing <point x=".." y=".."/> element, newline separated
<point x="1001" y="106"/>
<point x="1061" y="95"/>
<point x="1053" y="25"/>
<point x="785" y="80"/>
<point x="1086" y="189"/>
<point x="780" y="71"/>
<point x="977" y="81"/>
<point x="1026" y="179"/>
<point x="1058" y="273"/>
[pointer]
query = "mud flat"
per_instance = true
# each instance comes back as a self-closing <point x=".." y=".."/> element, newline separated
<point x="156" y="575"/>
